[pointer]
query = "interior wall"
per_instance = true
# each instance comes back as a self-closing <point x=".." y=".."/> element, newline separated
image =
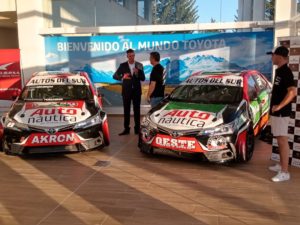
<point x="8" y="38"/>
<point x="90" y="13"/>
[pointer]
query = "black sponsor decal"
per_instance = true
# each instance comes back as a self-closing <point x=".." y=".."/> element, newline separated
<point x="297" y="139"/>
<point x="291" y="130"/>
<point x="182" y="121"/>
<point x="297" y="123"/>
<point x="296" y="154"/>
<point x="293" y="115"/>
<point x="51" y="119"/>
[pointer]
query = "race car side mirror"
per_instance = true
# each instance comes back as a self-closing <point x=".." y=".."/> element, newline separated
<point x="16" y="94"/>
<point x="99" y="94"/>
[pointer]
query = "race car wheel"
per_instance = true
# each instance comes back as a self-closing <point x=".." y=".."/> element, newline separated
<point x="5" y="147"/>
<point x="250" y="140"/>
<point x="146" y="149"/>
<point x="246" y="145"/>
<point x="105" y="130"/>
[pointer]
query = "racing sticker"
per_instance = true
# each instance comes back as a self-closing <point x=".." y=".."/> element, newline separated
<point x="215" y="80"/>
<point x="59" y="80"/>
<point x="180" y="144"/>
<point x="53" y="114"/>
<point x="65" y="104"/>
<point x="44" y="139"/>
<point x="180" y="116"/>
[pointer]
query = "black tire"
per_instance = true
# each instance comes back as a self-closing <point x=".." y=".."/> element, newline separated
<point x="5" y="147"/>
<point x="250" y="142"/>
<point x="145" y="149"/>
<point x="249" y="147"/>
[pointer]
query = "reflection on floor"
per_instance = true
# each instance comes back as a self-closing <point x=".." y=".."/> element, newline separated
<point x="119" y="185"/>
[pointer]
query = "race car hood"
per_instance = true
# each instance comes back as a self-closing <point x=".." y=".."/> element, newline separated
<point x="190" y="116"/>
<point x="50" y="114"/>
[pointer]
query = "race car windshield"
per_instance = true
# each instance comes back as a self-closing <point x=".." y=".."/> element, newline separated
<point x="208" y="94"/>
<point x="56" y="92"/>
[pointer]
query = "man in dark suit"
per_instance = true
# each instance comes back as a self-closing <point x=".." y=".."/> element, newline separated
<point x="131" y="73"/>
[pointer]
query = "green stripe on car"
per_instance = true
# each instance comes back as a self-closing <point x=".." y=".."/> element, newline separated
<point x="214" y="108"/>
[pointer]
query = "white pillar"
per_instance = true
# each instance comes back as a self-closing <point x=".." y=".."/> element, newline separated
<point x="258" y="12"/>
<point x="7" y="5"/>
<point x="31" y="44"/>
<point x="245" y="10"/>
<point x="284" y="11"/>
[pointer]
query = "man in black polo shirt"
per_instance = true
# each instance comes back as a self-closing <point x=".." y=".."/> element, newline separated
<point x="283" y="93"/>
<point x="156" y="90"/>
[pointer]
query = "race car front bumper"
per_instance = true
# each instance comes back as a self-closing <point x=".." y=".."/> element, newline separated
<point x="156" y="141"/>
<point x="42" y="142"/>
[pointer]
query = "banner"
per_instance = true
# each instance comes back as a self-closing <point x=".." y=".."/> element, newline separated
<point x="181" y="55"/>
<point x="293" y="44"/>
<point x="10" y="75"/>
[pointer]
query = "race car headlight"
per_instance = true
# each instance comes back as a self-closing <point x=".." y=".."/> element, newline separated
<point x="219" y="130"/>
<point x="89" y="122"/>
<point x="14" y="125"/>
<point x="147" y="123"/>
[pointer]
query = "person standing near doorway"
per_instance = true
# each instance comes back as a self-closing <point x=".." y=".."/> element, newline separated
<point x="283" y="92"/>
<point x="131" y="73"/>
<point x="156" y="90"/>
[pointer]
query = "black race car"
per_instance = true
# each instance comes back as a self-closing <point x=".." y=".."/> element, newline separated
<point x="216" y="115"/>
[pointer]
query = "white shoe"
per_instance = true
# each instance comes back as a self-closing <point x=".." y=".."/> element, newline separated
<point x="275" y="168"/>
<point x="281" y="176"/>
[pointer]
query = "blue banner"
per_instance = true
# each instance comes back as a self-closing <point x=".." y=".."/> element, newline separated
<point x="181" y="55"/>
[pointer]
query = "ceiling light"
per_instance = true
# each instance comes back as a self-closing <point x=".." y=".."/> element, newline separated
<point x="4" y="18"/>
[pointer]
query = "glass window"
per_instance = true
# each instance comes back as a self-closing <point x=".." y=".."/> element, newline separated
<point x="213" y="94"/>
<point x="56" y="92"/>
<point x="252" y="89"/>
<point x="120" y="2"/>
<point x="141" y="8"/>
<point x="261" y="83"/>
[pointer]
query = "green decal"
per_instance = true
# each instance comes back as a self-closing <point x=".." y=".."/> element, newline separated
<point x="255" y="110"/>
<point x="266" y="105"/>
<point x="214" y="108"/>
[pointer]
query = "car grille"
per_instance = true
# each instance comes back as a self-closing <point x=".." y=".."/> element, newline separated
<point x="51" y="149"/>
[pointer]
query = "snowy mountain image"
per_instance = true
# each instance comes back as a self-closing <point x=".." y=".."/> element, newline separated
<point x="99" y="76"/>
<point x="178" y="69"/>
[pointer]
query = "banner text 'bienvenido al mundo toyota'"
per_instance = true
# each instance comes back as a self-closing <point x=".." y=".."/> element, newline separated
<point x="181" y="55"/>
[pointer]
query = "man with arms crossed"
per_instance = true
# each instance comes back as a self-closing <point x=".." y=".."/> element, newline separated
<point x="156" y="90"/>
<point x="131" y="73"/>
<point x="283" y="93"/>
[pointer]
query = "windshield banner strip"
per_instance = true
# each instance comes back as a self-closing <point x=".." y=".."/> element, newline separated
<point x="74" y="80"/>
<point x="225" y="80"/>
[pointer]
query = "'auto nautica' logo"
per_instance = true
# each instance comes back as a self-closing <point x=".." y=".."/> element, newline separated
<point x="4" y="66"/>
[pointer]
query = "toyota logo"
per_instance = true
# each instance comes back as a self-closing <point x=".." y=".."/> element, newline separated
<point x="51" y="131"/>
<point x="175" y="134"/>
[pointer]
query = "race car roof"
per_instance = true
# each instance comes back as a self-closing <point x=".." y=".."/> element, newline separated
<point x="56" y="73"/>
<point x="221" y="73"/>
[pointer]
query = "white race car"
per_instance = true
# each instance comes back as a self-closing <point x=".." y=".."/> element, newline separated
<point x="55" y="112"/>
